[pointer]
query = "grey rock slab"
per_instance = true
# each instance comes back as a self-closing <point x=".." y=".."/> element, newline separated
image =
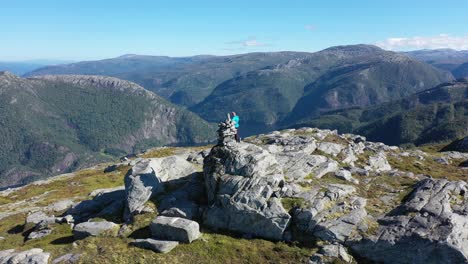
<point x="32" y="256"/>
<point x="378" y="163"/>
<point x="69" y="258"/>
<point x="37" y="217"/>
<point x="172" y="168"/>
<point x="330" y="148"/>
<point x="103" y="228"/>
<point x="159" y="246"/>
<point x="326" y="167"/>
<point x="39" y="234"/>
<point x="61" y="205"/>
<point x="346" y="175"/>
<point x="175" y="228"/>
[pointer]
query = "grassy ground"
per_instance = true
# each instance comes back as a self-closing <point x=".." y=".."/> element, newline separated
<point x="211" y="248"/>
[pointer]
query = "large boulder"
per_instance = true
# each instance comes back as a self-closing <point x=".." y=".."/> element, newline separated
<point x="432" y="222"/>
<point x="241" y="180"/>
<point x="175" y="228"/>
<point x="171" y="168"/>
<point x="103" y="228"/>
<point x="31" y="256"/>
<point x="141" y="183"/>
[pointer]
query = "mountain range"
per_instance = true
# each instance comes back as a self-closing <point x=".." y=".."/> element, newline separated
<point x="436" y="114"/>
<point x="450" y="60"/>
<point x="271" y="90"/>
<point x="55" y="124"/>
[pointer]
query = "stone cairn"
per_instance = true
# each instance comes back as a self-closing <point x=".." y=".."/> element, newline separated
<point x="226" y="132"/>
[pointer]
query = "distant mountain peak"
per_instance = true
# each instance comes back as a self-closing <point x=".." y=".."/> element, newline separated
<point x="130" y="55"/>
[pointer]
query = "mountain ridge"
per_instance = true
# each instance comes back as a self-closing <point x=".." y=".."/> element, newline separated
<point x="55" y="124"/>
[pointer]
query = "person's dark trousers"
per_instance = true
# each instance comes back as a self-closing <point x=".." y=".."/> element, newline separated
<point x="237" y="136"/>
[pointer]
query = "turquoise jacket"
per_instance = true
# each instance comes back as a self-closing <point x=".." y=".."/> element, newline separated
<point x="236" y="121"/>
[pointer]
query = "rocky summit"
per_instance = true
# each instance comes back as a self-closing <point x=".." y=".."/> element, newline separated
<point x="294" y="196"/>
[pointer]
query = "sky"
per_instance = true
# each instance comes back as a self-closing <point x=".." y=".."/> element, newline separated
<point x="88" y="30"/>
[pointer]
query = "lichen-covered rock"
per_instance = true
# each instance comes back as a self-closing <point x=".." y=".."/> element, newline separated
<point x="432" y="222"/>
<point x="141" y="183"/>
<point x="159" y="246"/>
<point x="175" y="229"/>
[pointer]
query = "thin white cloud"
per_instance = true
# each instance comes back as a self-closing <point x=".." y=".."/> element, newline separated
<point x="310" y="27"/>
<point x="441" y="41"/>
<point x="250" y="42"/>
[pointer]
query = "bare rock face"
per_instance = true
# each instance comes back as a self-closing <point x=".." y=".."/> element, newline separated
<point x="432" y="223"/>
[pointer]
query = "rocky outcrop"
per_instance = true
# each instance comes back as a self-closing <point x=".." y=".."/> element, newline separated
<point x="240" y="181"/>
<point x="432" y="222"/>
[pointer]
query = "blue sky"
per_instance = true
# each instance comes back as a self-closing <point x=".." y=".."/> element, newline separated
<point x="84" y="29"/>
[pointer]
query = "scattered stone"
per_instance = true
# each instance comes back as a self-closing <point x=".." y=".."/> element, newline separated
<point x="330" y="148"/>
<point x="175" y="228"/>
<point x="103" y="228"/>
<point x="41" y="230"/>
<point x="37" y="217"/>
<point x="326" y="167"/>
<point x="61" y="205"/>
<point x="335" y="253"/>
<point x="33" y="256"/>
<point x="442" y="160"/>
<point x="346" y="175"/>
<point x="69" y="258"/>
<point x="159" y="246"/>
<point x="378" y="163"/>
